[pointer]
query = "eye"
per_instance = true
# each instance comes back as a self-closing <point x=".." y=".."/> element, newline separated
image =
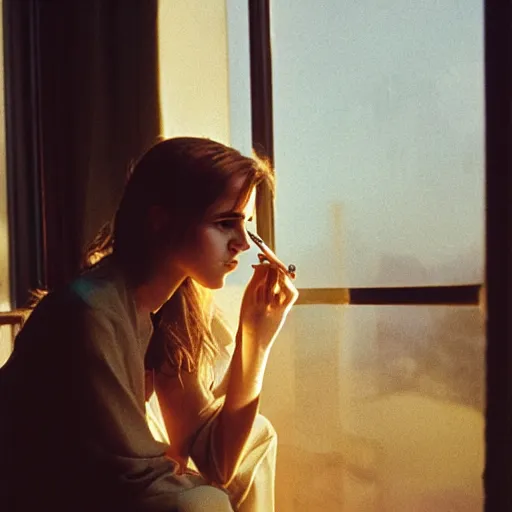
<point x="228" y="223"/>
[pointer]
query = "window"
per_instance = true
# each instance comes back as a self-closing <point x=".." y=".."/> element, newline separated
<point x="374" y="117"/>
<point x="377" y="137"/>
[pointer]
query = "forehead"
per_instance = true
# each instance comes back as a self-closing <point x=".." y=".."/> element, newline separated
<point x="228" y="202"/>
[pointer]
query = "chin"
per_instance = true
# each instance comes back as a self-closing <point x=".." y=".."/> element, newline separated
<point x="212" y="284"/>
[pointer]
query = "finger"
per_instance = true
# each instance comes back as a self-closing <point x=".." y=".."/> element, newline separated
<point x="265" y="282"/>
<point x="261" y="270"/>
<point x="271" y="284"/>
<point x="270" y="254"/>
<point x="288" y="290"/>
<point x="278" y="298"/>
<point x="262" y="258"/>
<point x="258" y="281"/>
<point x="290" y="271"/>
<point x="260" y="292"/>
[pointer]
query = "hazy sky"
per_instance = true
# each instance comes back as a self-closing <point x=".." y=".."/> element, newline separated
<point x="378" y="120"/>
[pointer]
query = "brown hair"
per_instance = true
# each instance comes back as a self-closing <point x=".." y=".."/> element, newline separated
<point x="183" y="176"/>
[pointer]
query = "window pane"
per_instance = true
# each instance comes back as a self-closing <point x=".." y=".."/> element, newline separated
<point x="379" y="409"/>
<point x="239" y="75"/>
<point x="378" y="114"/>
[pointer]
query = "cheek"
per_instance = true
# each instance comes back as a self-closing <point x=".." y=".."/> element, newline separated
<point x="212" y="239"/>
<point x="207" y="247"/>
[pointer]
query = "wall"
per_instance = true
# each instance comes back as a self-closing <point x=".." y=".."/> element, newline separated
<point x="194" y="68"/>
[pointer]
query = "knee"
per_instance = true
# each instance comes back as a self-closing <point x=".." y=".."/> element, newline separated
<point x="263" y="428"/>
<point x="204" y="498"/>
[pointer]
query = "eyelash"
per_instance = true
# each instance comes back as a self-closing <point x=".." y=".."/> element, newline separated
<point x="228" y="223"/>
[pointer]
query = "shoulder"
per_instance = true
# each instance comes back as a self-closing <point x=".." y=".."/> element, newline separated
<point x="60" y="317"/>
<point x="111" y="310"/>
<point x="102" y="289"/>
<point x="69" y="317"/>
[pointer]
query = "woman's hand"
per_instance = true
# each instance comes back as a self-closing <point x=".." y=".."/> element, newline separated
<point x="267" y="301"/>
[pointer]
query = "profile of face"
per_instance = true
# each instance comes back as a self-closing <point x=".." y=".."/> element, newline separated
<point x="212" y="249"/>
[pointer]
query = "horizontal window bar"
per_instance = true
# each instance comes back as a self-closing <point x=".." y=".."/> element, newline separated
<point x="413" y="295"/>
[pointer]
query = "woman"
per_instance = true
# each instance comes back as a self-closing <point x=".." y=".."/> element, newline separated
<point x="179" y="229"/>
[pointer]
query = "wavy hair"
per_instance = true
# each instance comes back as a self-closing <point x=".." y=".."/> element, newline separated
<point x="182" y="176"/>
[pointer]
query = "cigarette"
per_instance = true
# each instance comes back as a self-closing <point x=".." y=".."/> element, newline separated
<point x="270" y="255"/>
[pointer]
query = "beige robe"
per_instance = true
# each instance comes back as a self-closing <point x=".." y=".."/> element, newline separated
<point x="74" y="434"/>
<point x="82" y="352"/>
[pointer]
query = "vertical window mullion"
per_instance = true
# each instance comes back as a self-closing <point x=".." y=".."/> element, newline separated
<point x="261" y="109"/>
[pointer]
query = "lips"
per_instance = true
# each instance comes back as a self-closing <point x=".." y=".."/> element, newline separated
<point x="231" y="264"/>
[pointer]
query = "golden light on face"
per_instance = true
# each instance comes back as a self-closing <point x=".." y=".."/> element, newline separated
<point x="214" y="246"/>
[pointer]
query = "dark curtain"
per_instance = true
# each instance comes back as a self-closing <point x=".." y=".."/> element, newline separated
<point x="82" y="104"/>
<point x="498" y="57"/>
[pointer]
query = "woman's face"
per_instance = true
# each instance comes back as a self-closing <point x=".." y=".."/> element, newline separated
<point x="212" y="250"/>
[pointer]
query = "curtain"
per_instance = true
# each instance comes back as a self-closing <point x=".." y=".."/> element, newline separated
<point x="83" y="105"/>
<point x="498" y="85"/>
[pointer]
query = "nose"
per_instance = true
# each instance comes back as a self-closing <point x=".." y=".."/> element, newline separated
<point x="240" y="242"/>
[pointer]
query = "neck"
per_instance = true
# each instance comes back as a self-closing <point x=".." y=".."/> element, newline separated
<point x="155" y="291"/>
